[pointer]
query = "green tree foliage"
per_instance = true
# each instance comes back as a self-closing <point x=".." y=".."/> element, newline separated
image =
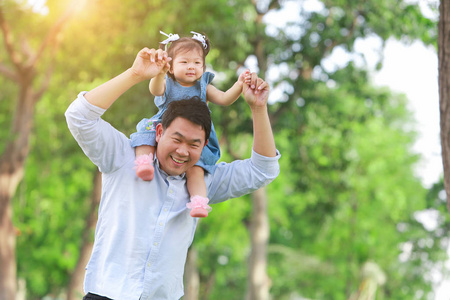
<point x="350" y="192"/>
<point x="52" y="202"/>
<point x="346" y="195"/>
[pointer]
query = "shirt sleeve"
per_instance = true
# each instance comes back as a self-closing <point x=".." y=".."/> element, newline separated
<point x="105" y="146"/>
<point x="241" y="177"/>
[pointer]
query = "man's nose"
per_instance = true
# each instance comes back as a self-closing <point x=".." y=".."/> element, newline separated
<point x="182" y="150"/>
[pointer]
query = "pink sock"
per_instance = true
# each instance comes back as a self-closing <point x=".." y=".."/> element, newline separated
<point x="144" y="166"/>
<point x="199" y="206"/>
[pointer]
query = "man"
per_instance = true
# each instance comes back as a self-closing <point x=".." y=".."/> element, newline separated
<point x="144" y="229"/>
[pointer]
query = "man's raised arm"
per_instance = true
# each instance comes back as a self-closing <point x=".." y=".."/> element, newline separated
<point x="97" y="137"/>
<point x="245" y="176"/>
<point x="256" y="94"/>
<point x="148" y="64"/>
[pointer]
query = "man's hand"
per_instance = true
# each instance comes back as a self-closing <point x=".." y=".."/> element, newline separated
<point x="149" y="63"/>
<point x="256" y="91"/>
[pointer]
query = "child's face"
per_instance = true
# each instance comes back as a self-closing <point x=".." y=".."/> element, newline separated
<point x="187" y="67"/>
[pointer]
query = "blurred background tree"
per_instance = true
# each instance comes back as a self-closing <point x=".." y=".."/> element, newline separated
<point x="444" y="90"/>
<point x="29" y="65"/>
<point x="347" y="195"/>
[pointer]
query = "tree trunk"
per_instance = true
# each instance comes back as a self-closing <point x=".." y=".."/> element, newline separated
<point x="75" y="289"/>
<point x="191" y="276"/>
<point x="372" y="277"/>
<point x="444" y="89"/>
<point x="12" y="160"/>
<point x="7" y="244"/>
<point x="258" y="280"/>
<point x="11" y="173"/>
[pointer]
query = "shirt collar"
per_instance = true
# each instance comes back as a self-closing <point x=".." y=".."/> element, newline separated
<point x="165" y="175"/>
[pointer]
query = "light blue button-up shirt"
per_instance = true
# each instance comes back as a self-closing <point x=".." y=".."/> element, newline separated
<point x="144" y="229"/>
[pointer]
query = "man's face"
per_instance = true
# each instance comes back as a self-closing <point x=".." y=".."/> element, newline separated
<point x="179" y="146"/>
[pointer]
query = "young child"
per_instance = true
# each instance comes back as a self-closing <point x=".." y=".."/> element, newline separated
<point x="185" y="78"/>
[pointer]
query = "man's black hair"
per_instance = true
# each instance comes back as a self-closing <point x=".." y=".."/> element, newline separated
<point x="192" y="109"/>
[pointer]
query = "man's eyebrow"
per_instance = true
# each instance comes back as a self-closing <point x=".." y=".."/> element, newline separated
<point x="183" y="138"/>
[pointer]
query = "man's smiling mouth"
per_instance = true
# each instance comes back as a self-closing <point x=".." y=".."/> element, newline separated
<point x="177" y="160"/>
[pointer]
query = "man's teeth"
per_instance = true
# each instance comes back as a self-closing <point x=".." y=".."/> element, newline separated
<point x="178" y="161"/>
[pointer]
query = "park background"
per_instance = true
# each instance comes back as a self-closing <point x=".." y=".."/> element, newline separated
<point x="342" y="220"/>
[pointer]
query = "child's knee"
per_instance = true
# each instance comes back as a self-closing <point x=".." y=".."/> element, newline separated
<point x="195" y="171"/>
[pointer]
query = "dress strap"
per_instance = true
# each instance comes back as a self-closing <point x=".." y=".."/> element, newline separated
<point x="206" y="79"/>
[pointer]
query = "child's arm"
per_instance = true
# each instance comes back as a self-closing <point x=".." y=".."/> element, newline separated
<point x="157" y="84"/>
<point x="218" y="97"/>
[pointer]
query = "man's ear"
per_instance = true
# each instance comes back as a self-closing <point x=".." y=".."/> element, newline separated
<point x="206" y="143"/>
<point x="159" y="132"/>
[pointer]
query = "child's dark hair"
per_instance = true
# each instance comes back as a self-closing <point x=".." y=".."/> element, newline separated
<point x="192" y="109"/>
<point x="186" y="44"/>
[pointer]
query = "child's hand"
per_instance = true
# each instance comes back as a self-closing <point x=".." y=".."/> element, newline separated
<point x="162" y="55"/>
<point x="245" y="77"/>
<point x="248" y="80"/>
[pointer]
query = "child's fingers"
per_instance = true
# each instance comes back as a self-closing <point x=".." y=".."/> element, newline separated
<point x="247" y="77"/>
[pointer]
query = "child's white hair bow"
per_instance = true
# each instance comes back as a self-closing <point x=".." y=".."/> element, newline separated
<point x="199" y="37"/>
<point x="170" y="38"/>
<point x="174" y="37"/>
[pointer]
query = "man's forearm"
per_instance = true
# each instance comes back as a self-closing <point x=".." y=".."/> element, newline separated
<point x="104" y="95"/>
<point x="263" y="140"/>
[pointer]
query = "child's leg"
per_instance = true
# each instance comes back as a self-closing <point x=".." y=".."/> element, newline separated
<point x="195" y="178"/>
<point x="144" y="149"/>
<point x="144" y="162"/>
<point x="196" y="186"/>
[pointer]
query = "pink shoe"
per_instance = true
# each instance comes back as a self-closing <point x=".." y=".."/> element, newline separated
<point x="144" y="167"/>
<point x="199" y="207"/>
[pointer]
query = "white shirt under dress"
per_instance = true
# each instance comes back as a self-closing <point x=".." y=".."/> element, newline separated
<point x="144" y="229"/>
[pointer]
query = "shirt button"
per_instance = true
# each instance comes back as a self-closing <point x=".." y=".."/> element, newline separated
<point x="165" y="209"/>
<point x="170" y="191"/>
<point x="161" y="224"/>
<point x="156" y="244"/>
<point x="149" y="264"/>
